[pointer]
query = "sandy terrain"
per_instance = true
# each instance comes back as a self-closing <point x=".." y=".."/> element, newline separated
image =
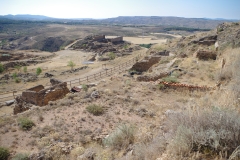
<point x="144" y="40"/>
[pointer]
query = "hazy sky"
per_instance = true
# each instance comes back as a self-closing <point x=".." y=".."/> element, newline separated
<point x="229" y="9"/>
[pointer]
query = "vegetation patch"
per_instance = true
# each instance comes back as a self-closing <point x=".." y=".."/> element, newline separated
<point x="209" y="132"/>
<point x="85" y="87"/>
<point x="121" y="137"/>
<point x="146" y="45"/>
<point x="1" y="68"/>
<point x="21" y="156"/>
<point x="95" y="109"/>
<point x="25" y="123"/>
<point x="112" y="55"/>
<point x="4" y="153"/>
<point x="38" y="71"/>
<point x="71" y="64"/>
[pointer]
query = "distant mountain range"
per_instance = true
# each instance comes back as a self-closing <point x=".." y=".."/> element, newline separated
<point x="203" y="23"/>
<point x="27" y="17"/>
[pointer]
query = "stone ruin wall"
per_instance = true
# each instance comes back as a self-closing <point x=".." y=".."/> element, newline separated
<point x="40" y="96"/>
<point x="206" y="55"/>
<point x="99" y="37"/>
<point x="53" y="93"/>
<point x="144" y="65"/>
<point x="207" y="42"/>
<point x="117" y="39"/>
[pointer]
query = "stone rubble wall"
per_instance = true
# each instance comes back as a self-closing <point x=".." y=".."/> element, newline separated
<point x="144" y="65"/>
<point x="40" y="96"/>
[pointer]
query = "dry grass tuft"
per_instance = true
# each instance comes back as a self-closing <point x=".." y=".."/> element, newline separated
<point x="95" y="109"/>
<point x="121" y="137"/>
<point x="210" y="132"/>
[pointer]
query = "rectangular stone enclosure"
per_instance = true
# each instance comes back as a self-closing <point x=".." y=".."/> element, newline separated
<point x="39" y="96"/>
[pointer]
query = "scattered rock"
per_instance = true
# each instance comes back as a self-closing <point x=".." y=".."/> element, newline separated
<point x="95" y="94"/>
<point x="8" y="103"/>
<point x="54" y="81"/>
<point x="48" y="75"/>
<point x="20" y="105"/>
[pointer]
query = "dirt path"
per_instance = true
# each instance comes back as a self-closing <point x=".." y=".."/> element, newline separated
<point x="68" y="46"/>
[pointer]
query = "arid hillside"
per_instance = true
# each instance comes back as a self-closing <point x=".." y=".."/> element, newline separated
<point x="178" y="100"/>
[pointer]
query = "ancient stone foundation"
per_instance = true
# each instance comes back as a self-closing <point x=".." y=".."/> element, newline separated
<point x="145" y="64"/>
<point x="40" y="96"/>
<point x="206" y="55"/>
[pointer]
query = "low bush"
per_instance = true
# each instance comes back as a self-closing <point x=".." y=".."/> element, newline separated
<point x="25" y="123"/>
<point x="85" y="87"/>
<point x="111" y="55"/>
<point x="146" y="45"/>
<point x="4" y="153"/>
<point x="121" y="137"/>
<point x="38" y="71"/>
<point x="25" y="69"/>
<point x="1" y="68"/>
<point x="95" y="109"/>
<point x="161" y="86"/>
<point x="208" y="132"/>
<point x="21" y="156"/>
<point x="17" y="80"/>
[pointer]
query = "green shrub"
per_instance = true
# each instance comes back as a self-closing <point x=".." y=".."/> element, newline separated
<point x="1" y="68"/>
<point x="38" y="71"/>
<point x="17" y="80"/>
<point x="25" y="123"/>
<point x="170" y="79"/>
<point x="14" y="75"/>
<point x="95" y="109"/>
<point x="112" y="55"/>
<point x="71" y="64"/>
<point x="4" y="153"/>
<point x="121" y="137"/>
<point x="25" y="69"/>
<point x="161" y="86"/>
<point x="21" y="156"/>
<point x="146" y="45"/>
<point x="85" y="87"/>
<point x="209" y="132"/>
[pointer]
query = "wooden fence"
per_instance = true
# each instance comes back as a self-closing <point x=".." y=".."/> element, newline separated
<point x="6" y="96"/>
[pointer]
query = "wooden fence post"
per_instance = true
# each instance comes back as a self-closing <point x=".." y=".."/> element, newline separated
<point x="13" y="94"/>
<point x="79" y="80"/>
<point x="70" y="85"/>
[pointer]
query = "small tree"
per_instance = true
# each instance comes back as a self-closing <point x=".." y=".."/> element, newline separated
<point x="71" y="64"/>
<point x="1" y="68"/>
<point x="38" y="71"/>
<point x="25" y="69"/>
